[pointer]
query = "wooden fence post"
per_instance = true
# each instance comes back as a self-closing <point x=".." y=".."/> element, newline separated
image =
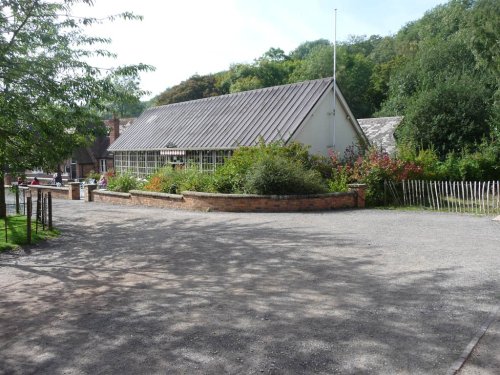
<point x="44" y="208"/>
<point x="28" y="216"/>
<point x="38" y="208"/>
<point x="385" y="193"/>
<point x="17" y="200"/>
<point x="49" y="198"/>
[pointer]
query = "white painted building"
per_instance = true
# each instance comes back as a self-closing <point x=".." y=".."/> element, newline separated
<point x="203" y="132"/>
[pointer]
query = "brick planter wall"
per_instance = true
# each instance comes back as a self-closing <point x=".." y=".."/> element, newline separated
<point x="355" y="198"/>
<point x="56" y="192"/>
<point x="105" y="196"/>
<point x="271" y="203"/>
<point x="162" y="200"/>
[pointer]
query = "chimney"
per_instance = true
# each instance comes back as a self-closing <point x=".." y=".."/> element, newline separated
<point x="114" y="129"/>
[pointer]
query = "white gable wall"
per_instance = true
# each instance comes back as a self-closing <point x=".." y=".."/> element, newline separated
<point x="316" y="131"/>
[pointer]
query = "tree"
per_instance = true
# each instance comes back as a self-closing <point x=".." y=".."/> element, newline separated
<point x="482" y="36"/>
<point x="304" y="49"/>
<point x="354" y="70"/>
<point x="318" y="63"/>
<point x="353" y="77"/>
<point x="445" y="77"/>
<point x="50" y="97"/>
<point x="274" y="54"/>
<point x="196" y="87"/>
<point x="451" y="116"/>
<point x="126" y="102"/>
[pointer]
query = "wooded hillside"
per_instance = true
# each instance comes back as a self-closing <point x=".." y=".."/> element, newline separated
<point x="442" y="72"/>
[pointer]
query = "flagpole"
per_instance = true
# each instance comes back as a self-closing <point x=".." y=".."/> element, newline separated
<point x="334" y="76"/>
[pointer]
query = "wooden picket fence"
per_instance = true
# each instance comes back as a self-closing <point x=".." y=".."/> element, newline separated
<point x="481" y="197"/>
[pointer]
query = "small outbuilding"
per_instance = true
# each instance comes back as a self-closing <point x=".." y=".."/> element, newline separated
<point x="204" y="132"/>
<point x="380" y="131"/>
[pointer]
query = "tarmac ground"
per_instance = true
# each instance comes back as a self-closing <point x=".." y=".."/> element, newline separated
<point x="130" y="290"/>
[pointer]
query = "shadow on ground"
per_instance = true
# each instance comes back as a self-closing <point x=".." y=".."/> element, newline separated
<point x="189" y="295"/>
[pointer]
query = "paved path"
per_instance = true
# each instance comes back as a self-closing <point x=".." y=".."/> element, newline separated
<point x="485" y="357"/>
<point x="137" y="290"/>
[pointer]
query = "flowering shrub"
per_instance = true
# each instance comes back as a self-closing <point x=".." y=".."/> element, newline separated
<point x="373" y="168"/>
<point x="174" y="180"/>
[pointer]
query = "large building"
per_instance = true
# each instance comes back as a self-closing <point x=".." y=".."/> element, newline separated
<point x="204" y="132"/>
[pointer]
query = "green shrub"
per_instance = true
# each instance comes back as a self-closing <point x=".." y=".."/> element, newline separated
<point x="232" y="176"/>
<point x="192" y="179"/>
<point x="449" y="168"/>
<point x="321" y="164"/>
<point x="339" y="181"/>
<point x="124" y="183"/>
<point x="276" y="174"/>
<point x="479" y="164"/>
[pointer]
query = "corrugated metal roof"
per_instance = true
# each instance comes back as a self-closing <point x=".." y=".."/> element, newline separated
<point x="380" y="131"/>
<point x="226" y="121"/>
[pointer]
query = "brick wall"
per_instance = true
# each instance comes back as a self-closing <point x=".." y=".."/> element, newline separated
<point x="161" y="200"/>
<point x="71" y="191"/>
<point x="234" y="202"/>
<point x="257" y="203"/>
<point x="111" y="197"/>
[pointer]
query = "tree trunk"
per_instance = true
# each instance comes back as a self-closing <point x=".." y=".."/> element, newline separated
<point x="3" y="207"/>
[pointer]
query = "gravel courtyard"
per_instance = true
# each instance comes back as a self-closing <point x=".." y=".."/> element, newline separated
<point x="146" y="291"/>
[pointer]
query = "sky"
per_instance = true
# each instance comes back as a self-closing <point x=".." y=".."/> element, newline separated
<point x="181" y="38"/>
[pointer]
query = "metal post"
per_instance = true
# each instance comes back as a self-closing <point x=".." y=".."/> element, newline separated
<point x="49" y="197"/>
<point x="28" y="216"/>
<point x="334" y="80"/>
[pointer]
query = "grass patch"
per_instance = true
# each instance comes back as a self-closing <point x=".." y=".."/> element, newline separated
<point x="16" y="233"/>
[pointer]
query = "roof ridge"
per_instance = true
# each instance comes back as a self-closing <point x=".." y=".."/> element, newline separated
<point x="378" y="118"/>
<point x="243" y="92"/>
